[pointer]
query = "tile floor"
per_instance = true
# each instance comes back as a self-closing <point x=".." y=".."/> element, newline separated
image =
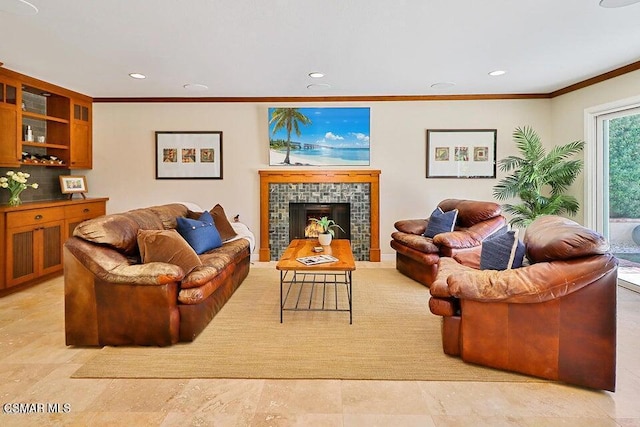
<point x="35" y="367"/>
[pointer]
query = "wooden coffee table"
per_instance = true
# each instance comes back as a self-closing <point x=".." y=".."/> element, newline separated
<point x="320" y="287"/>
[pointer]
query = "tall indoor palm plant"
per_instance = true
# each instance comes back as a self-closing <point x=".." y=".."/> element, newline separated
<point x="289" y="119"/>
<point x="538" y="179"/>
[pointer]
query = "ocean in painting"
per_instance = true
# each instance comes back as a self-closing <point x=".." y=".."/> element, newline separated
<point x="317" y="156"/>
<point x="332" y="136"/>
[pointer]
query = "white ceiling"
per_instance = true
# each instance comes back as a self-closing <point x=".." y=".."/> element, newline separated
<point x="254" y="48"/>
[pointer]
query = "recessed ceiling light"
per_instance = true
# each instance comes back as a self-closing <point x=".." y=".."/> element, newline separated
<point x="195" y="86"/>
<point x="497" y="73"/>
<point x="18" y="7"/>
<point x="318" y="86"/>
<point x="442" y="85"/>
<point x="316" y="75"/>
<point x="137" y="76"/>
<point x="617" y="3"/>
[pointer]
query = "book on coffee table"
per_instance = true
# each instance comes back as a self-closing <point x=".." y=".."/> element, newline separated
<point x="317" y="259"/>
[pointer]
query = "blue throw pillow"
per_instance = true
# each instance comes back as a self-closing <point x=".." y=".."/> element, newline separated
<point x="502" y="251"/>
<point x="201" y="234"/>
<point x="441" y="222"/>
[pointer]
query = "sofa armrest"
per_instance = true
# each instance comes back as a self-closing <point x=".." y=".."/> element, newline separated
<point x="111" y="266"/>
<point x="531" y="284"/>
<point x="411" y="226"/>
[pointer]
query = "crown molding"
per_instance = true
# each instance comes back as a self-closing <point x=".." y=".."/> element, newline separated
<point x="304" y="99"/>
<point x="597" y="79"/>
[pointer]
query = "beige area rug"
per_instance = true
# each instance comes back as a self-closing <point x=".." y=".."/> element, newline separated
<point x="393" y="337"/>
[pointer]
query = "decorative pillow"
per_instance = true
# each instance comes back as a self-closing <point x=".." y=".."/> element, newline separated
<point x="222" y="223"/>
<point x="200" y="233"/>
<point x="441" y="222"/>
<point x="167" y="246"/>
<point x="502" y="251"/>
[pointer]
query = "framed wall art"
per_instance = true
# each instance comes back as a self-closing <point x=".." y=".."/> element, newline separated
<point x="72" y="184"/>
<point x="327" y="136"/>
<point x="189" y="155"/>
<point x="461" y="153"/>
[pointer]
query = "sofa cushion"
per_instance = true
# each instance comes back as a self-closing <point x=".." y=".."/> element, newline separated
<point x="201" y="233"/>
<point x="196" y="295"/>
<point x="169" y="213"/>
<point x="214" y="261"/>
<point x="502" y="251"/>
<point x="146" y="219"/>
<point x="167" y="246"/>
<point x="441" y="222"/>
<point x="552" y="237"/>
<point x="117" y="231"/>
<point x="222" y="223"/>
<point x="471" y="212"/>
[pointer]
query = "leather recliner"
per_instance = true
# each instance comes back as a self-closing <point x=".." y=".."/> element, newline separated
<point x="554" y="318"/>
<point x="417" y="256"/>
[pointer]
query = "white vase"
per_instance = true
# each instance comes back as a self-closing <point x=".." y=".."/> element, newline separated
<point x="324" y="239"/>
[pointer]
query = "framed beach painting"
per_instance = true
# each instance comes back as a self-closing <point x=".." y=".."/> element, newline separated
<point x="461" y="153"/>
<point x="319" y="136"/>
<point x="189" y="155"/>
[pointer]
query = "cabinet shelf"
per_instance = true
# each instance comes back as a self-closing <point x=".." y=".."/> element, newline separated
<point x="54" y="165"/>
<point x="44" y="117"/>
<point x="44" y="145"/>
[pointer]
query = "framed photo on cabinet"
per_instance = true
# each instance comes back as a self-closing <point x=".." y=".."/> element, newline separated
<point x="189" y="155"/>
<point x="72" y="184"/>
<point x="461" y="153"/>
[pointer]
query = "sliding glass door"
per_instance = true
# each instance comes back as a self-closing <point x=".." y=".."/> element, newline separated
<point x="618" y="135"/>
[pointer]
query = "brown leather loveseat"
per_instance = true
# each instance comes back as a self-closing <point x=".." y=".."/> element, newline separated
<point x="417" y="256"/>
<point x="554" y="318"/>
<point x="112" y="297"/>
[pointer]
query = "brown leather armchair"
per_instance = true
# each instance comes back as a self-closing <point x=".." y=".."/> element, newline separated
<point x="554" y="318"/>
<point x="417" y="256"/>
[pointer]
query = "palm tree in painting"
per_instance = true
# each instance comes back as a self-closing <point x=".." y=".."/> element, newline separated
<point x="289" y="119"/>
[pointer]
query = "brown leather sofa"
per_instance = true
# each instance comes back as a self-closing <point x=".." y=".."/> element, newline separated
<point x="417" y="256"/>
<point x="112" y="298"/>
<point x="554" y="318"/>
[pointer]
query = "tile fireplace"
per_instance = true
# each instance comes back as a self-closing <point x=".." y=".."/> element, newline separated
<point x="358" y="189"/>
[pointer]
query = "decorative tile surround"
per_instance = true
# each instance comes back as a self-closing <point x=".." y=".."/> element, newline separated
<point x="357" y="194"/>
<point x="359" y="187"/>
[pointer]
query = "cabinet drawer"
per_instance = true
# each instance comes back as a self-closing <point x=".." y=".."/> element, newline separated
<point x="34" y="216"/>
<point x="85" y="210"/>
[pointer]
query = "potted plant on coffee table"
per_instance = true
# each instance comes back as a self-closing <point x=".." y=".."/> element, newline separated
<point x="327" y="225"/>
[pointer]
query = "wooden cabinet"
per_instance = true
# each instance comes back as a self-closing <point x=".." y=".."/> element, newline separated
<point x="9" y="142"/>
<point x="81" y="147"/>
<point x="34" y="249"/>
<point x="49" y="123"/>
<point x="33" y="234"/>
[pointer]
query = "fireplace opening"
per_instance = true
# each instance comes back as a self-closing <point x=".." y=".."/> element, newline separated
<point x="301" y="226"/>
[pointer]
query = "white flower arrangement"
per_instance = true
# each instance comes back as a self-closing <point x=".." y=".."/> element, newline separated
<point x="16" y="182"/>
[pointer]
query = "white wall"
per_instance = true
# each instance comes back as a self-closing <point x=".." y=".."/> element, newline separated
<point x="567" y="114"/>
<point x="124" y="144"/>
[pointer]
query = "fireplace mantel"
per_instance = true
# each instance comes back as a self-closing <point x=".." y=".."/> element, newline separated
<point x="267" y="177"/>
